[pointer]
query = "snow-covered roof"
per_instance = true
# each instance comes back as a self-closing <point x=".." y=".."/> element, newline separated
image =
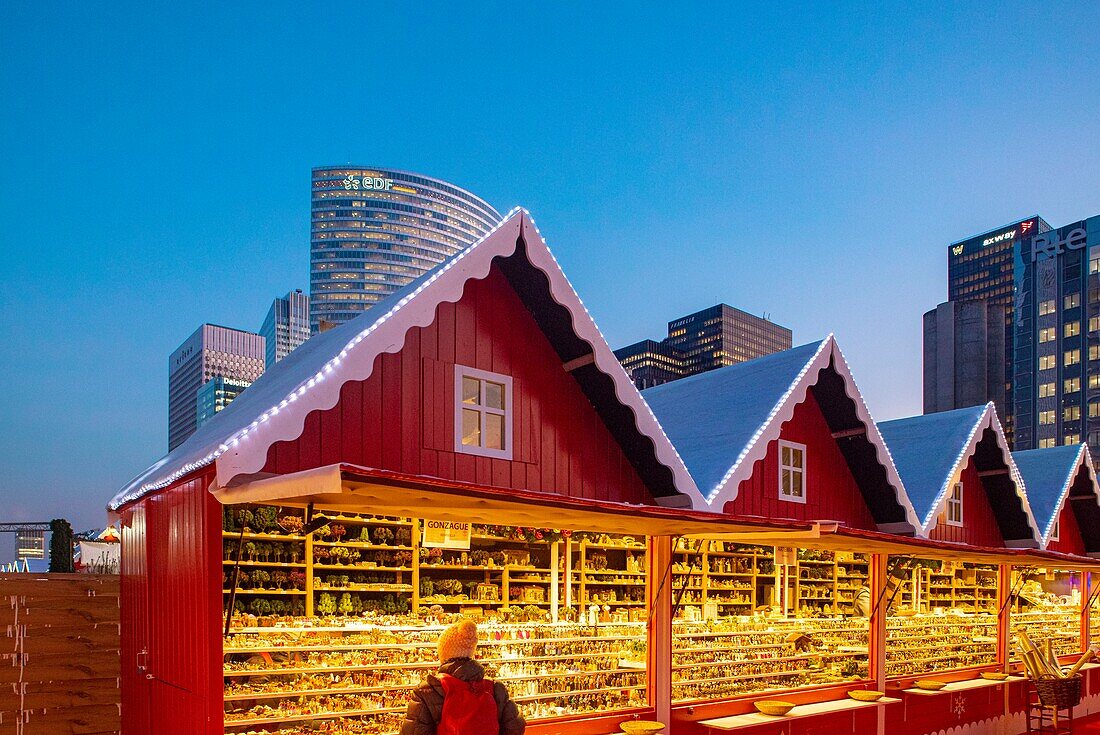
<point x="932" y="450"/>
<point x="721" y="421"/>
<point x="274" y="407"/>
<point x="1049" y="474"/>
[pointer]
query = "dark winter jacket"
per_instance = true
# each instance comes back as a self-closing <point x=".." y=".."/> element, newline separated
<point x="426" y="701"/>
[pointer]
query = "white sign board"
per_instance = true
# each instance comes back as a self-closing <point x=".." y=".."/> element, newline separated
<point x="445" y="535"/>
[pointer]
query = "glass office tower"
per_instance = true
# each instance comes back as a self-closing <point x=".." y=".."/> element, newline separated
<point x="982" y="268"/>
<point x="209" y="352"/>
<point x="373" y="230"/>
<point x="706" y="340"/>
<point x="286" y="326"/>
<point x="1056" y="326"/>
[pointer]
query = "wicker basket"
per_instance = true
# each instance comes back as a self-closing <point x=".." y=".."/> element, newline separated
<point x="1060" y="693"/>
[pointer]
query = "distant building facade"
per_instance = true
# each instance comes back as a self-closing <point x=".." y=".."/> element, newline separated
<point x="706" y="340"/>
<point x="211" y="351"/>
<point x="1056" y="321"/>
<point x="286" y="326"/>
<point x="373" y="230"/>
<point x="650" y="363"/>
<point x="982" y="268"/>
<point x="214" y="395"/>
<point x="964" y="350"/>
<point x="30" y="543"/>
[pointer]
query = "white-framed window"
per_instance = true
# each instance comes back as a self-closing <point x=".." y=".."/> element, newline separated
<point x="953" y="511"/>
<point x="1056" y="529"/>
<point x="792" y="472"/>
<point x="483" y="413"/>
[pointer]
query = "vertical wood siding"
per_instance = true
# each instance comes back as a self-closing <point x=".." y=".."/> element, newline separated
<point x="402" y="417"/>
<point x="979" y="524"/>
<point x="831" y="490"/>
<point x="171" y="586"/>
<point x="1069" y="540"/>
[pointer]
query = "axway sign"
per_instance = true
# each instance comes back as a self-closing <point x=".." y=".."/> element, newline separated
<point x="999" y="238"/>
<point x="1048" y="245"/>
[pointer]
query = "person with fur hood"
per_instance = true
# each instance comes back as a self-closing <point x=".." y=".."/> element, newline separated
<point x="458" y="699"/>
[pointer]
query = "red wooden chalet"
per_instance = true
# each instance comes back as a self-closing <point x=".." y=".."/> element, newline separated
<point x="786" y="436"/>
<point x="961" y="476"/>
<point x="372" y="415"/>
<point x="1062" y="486"/>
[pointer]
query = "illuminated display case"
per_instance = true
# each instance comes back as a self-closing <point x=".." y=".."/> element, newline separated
<point x="762" y="641"/>
<point x="941" y="616"/>
<point x="331" y="630"/>
<point x="1046" y="605"/>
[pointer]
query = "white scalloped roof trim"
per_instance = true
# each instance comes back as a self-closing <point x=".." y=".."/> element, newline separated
<point x="245" y="451"/>
<point x="726" y="490"/>
<point x="988" y="420"/>
<point x="1084" y="457"/>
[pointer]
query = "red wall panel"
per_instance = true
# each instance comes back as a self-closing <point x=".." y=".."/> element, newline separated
<point x="979" y="524"/>
<point x="1069" y="540"/>
<point x="831" y="490"/>
<point x="171" y="607"/>
<point x="402" y="417"/>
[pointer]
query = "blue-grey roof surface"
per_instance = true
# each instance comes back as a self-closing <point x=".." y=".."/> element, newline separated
<point x="926" y="449"/>
<point x="1045" y="473"/>
<point x="712" y="417"/>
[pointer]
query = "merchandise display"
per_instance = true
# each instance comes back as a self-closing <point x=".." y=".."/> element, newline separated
<point x="942" y="616"/>
<point x="735" y="636"/>
<point x="1046" y="606"/>
<point x="561" y="617"/>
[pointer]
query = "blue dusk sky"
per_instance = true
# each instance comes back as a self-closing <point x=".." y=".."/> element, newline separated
<point x="809" y="162"/>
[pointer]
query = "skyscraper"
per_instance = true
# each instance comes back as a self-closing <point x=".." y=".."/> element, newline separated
<point x="374" y="230"/>
<point x="212" y="350"/>
<point x="1056" y="373"/>
<point x="981" y="268"/>
<point x="214" y="395"/>
<point x="286" y="326"/>
<point x="964" y="350"/>
<point x="712" y="338"/>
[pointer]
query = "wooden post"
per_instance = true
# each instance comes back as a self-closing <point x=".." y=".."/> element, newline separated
<point x="1004" y="616"/>
<point x="659" y="626"/>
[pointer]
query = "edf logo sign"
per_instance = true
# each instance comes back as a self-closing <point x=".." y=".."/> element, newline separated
<point x="367" y="182"/>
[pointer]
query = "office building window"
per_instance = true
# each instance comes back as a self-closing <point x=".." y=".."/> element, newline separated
<point x="953" y="512"/>
<point x="1047" y="334"/>
<point x="1094" y="381"/>
<point x="1046" y="362"/>
<point x="1072" y="439"/>
<point x="1071" y="329"/>
<point x="1071" y="385"/>
<point x="1071" y="300"/>
<point x="1047" y="443"/>
<point x="1071" y="413"/>
<point x="1094" y="352"/>
<point x="1046" y="307"/>
<point x="1094" y="410"/>
<point x="1046" y="418"/>
<point x="1094" y="263"/>
<point x="1047" y="390"/>
<point x="792" y="472"/>
<point x="1071" y="357"/>
<point x="1094" y="323"/>
<point x="483" y="413"/>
